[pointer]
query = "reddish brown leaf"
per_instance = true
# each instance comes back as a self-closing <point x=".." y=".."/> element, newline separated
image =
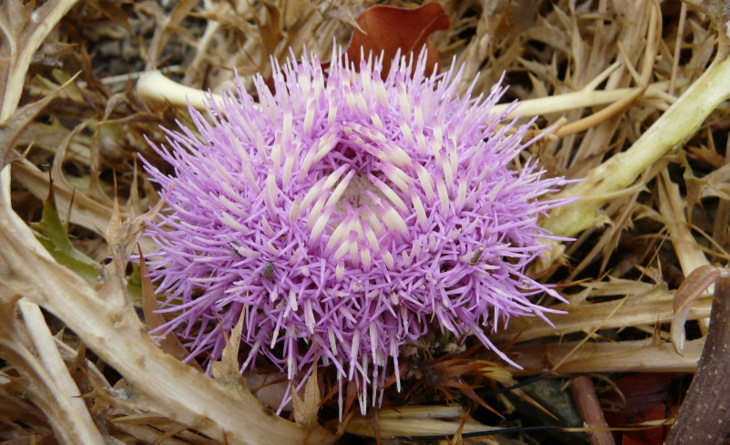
<point x="388" y="29"/>
<point x="648" y="397"/>
<point x="653" y="436"/>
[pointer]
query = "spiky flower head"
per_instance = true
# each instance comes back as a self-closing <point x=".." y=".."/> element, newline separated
<point x="345" y="215"/>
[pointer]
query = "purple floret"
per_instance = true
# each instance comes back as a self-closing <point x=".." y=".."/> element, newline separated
<point x="345" y="215"/>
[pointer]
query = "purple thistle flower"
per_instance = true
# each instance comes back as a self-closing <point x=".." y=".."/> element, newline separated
<point x="344" y="215"/>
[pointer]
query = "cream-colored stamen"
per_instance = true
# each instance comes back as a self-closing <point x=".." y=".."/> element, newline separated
<point x="340" y="189"/>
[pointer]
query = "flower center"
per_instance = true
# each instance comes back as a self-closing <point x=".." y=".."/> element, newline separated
<point x="356" y="217"/>
<point x="355" y="195"/>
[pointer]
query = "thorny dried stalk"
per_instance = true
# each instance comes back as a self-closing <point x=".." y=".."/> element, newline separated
<point x="636" y="110"/>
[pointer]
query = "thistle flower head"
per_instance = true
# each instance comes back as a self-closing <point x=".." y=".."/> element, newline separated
<point x="344" y="215"/>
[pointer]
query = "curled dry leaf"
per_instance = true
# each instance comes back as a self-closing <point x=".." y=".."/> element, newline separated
<point x="389" y="29"/>
<point x="13" y="127"/>
<point x="690" y="290"/>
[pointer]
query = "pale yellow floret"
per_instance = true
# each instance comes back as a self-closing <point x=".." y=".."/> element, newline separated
<point x="377" y="123"/>
<point x="407" y="134"/>
<point x="337" y="236"/>
<point x="394" y="221"/>
<point x="420" y="211"/>
<point x="361" y="104"/>
<point x="340" y="189"/>
<point x="295" y="206"/>
<point x="397" y="156"/>
<point x="426" y="182"/>
<point x="333" y="342"/>
<point x="335" y="176"/>
<point x="342" y="250"/>
<point x="354" y="249"/>
<point x="443" y="195"/>
<point x="398" y="176"/>
<point x="405" y="104"/>
<point x="325" y="146"/>
<point x="319" y="226"/>
<point x="390" y="194"/>
<point x="381" y="95"/>
<point x="293" y="301"/>
<point x="373" y="221"/>
<point x="287" y="127"/>
<point x="332" y="111"/>
<point x="366" y="258"/>
<point x="289" y="163"/>
<point x="309" y="316"/>
<point x="309" y="115"/>
<point x="271" y="190"/>
<point x="406" y="259"/>
<point x="246" y="166"/>
<point x="312" y="194"/>
<point x="345" y="313"/>
<point x="316" y="211"/>
<point x="388" y="259"/>
<point x="372" y="239"/>
<point x="421" y="142"/>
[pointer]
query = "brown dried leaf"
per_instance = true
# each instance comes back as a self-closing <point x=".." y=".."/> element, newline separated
<point x="415" y="420"/>
<point x="643" y="304"/>
<point x="12" y="128"/>
<point x="712" y="185"/>
<point x="228" y="365"/>
<point x="306" y="408"/>
<point x="388" y="29"/>
<point x="166" y="29"/>
<point x="672" y="208"/>
<point x="690" y="290"/>
<point x="625" y="356"/>
<point x="24" y="30"/>
<point x="170" y="343"/>
<point x="27" y="344"/>
<point x="87" y="212"/>
<point x="719" y="14"/>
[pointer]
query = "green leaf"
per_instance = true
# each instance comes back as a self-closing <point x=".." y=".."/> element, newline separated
<point x="51" y="233"/>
